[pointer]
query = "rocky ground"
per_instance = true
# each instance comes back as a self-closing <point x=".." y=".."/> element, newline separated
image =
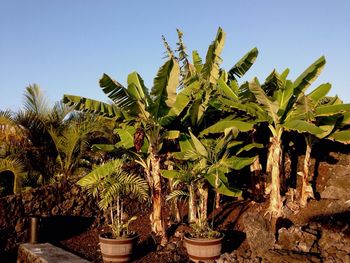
<point x="303" y="237"/>
<point x="318" y="233"/>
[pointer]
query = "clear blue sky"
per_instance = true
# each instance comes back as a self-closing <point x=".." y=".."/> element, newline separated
<point x="66" y="45"/>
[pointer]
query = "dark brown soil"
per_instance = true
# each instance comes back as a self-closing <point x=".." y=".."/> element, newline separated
<point x="86" y="245"/>
<point x="228" y="220"/>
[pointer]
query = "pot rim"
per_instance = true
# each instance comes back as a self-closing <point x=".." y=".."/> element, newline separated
<point x="187" y="236"/>
<point x="131" y="236"/>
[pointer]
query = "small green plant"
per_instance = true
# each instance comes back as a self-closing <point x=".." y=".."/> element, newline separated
<point x="109" y="183"/>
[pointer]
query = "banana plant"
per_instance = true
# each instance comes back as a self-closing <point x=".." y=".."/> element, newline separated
<point x="287" y="108"/>
<point x="141" y="117"/>
<point x="208" y="161"/>
<point x="282" y="104"/>
<point x="146" y="117"/>
<point x="202" y="79"/>
<point x="330" y="114"/>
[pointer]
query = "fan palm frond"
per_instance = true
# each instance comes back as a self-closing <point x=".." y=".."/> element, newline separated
<point x="35" y="101"/>
<point x="16" y="167"/>
<point x="109" y="181"/>
<point x="176" y="195"/>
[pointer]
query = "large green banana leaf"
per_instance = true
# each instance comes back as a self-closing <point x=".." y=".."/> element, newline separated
<point x="104" y="147"/>
<point x="271" y="107"/>
<point x="346" y="118"/>
<point x="230" y="93"/>
<point x="309" y="76"/>
<point x="248" y="147"/>
<point x="92" y="106"/>
<point x="198" y="146"/>
<point x="222" y="125"/>
<point x="302" y="110"/>
<point x="163" y="93"/>
<point x="341" y="136"/>
<point x="250" y="108"/>
<point x="320" y="92"/>
<point x="197" y="61"/>
<point x="171" y="135"/>
<point x="137" y="88"/>
<point x="284" y="97"/>
<point x="302" y="126"/>
<point x="126" y="137"/>
<point x="327" y="110"/>
<point x="210" y="69"/>
<point x="244" y="64"/>
<point x="116" y="92"/>
<point x="222" y="186"/>
<point x="238" y="163"/>
<point x="182" y="100"/>
<point x="170" y="174"/>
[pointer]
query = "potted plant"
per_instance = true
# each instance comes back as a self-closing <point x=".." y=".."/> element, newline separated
<point x="204" y="164"/>
<point x="110" y="183"/>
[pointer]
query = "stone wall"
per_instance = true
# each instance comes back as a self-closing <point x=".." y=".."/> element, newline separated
<point x="59" y="200"/>
<point x="319" y="232"/>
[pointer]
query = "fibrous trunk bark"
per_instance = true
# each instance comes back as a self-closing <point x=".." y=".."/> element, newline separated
<point x="203" y="203"/>
<point x="217" y="200"/>
<point x="306" y="189"/>
<point x="192" y="205"/>
<point x="257" y="180"/>
<point x="157" y="221"/>
<point x="275" y="154"/>
<point x="174" y="208"/>
<point x="217" y="195"/>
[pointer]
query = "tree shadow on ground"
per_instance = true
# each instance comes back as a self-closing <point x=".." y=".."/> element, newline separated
<point x="9" y="256"/>
<point x="337" y="222"/>
<point x="226" y="219"/>
<point x="146" y="246"/>
<point x="56" y="228"/>
<point x="233" y="239"/>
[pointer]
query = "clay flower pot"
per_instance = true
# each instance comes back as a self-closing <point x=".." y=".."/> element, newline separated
<point x="203" y="249"/>
<point x="117" y="249"/>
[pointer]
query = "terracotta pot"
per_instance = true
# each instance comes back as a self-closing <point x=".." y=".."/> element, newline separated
<point x="203" y="249"/>
<point x="117" y="249"/>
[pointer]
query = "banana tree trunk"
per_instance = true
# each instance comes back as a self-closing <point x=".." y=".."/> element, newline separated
<point x="157" y="221"/>
<point x="174" y="208"/>
<point x="217" y="200"/>
<point x="275" y="207"/>
<point x="192" y="205"/>
<point x="217" y="195"/>
<point x="306" y="189"/>
<point x="203" y="204"/>
<point x="256" y="180"/>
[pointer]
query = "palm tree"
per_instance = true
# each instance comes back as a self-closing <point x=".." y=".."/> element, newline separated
<point x="14" y="166"/>
<point x="109" y="182"/>
<point x="47" y="140"/>
<point x="73" y="141"/>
